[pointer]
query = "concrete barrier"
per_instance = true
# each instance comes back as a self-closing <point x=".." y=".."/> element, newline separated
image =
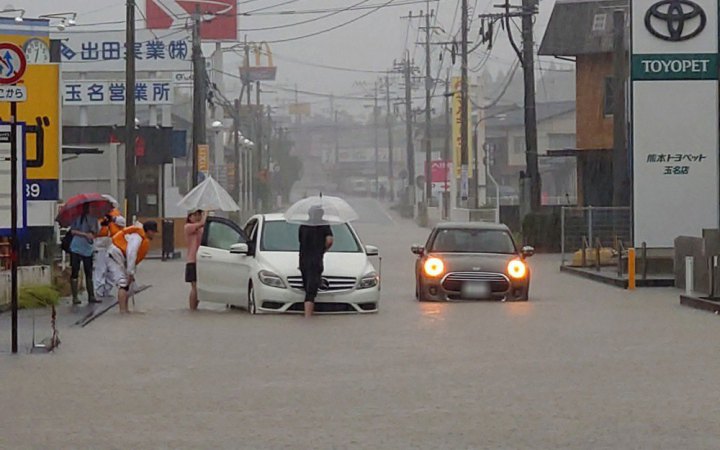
<point x="27" y="276"/>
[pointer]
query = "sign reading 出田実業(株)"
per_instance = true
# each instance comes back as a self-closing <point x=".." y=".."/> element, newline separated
<point x="674" y="79"/>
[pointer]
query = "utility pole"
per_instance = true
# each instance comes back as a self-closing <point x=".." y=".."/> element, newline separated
<point x="389" y="124"/>
<point x="531" y="145"/>
<point x="259" y="131"/>
<point x="130" y="196"/>
<point x="199" y="93"/>
<point x="376" y="111"/>
<point x="428" y="111"/>
<point x="409" y="128"/>
<point x="334" y="117"/>
<point x="464" y="104"/>
<point x="447" y="149"/>
<point x="236" y="148"/>
<point x="620" y="157"/>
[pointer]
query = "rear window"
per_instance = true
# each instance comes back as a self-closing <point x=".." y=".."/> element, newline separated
<point x="280" y="236"/>
<point x="472" y="241"/>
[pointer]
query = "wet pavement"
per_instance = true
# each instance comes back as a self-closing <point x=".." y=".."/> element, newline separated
<point x="582" y="365"/>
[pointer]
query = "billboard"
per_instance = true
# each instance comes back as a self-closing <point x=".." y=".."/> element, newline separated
<point x="41" y="114"/>
<point x="97" y="51"/>
<point x="219" y="17"/>
<point x="456" y="134"/>
<point x="674" y="79"/>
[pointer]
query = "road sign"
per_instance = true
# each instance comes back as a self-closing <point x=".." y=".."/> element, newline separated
<point x="6" y="181"/>
<point x="9" y="93"/>
<point x="12" y="63"/>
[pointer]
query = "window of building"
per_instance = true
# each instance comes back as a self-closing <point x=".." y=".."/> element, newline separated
<point x="561" y="141"/>
<point x="599" y="22"/>
<point x="609" y="94"/>
<point x="519" y="145"/>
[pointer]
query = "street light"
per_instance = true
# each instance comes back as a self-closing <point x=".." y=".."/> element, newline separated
<point x="19" y="17"/>
<point x="67" y="19"/>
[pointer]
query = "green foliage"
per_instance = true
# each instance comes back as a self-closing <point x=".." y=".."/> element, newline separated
<point x="37" y="296"/>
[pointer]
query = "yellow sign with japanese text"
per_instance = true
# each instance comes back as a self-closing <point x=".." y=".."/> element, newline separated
<point x="456" y="130"/>
<point x="41" y="112"/>
<point x="203" y="158"/>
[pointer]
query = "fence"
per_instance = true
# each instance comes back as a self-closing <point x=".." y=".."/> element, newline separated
<point x="596" y="228"/>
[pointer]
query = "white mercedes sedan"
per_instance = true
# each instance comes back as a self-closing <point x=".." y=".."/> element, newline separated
<point x="256" y="267"/>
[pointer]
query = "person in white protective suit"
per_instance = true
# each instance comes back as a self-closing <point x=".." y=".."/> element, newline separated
<point x="109" y="225"/>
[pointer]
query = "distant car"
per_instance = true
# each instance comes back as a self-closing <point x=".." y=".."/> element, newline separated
<point x="471" y="261"/>
<point x="256" y="267"/>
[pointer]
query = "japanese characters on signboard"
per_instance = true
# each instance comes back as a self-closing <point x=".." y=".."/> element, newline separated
<point x="219" y="17"/>
<point x="456" y="131"/>
<point x="104" y="92"/>
<point x="105" y="52"/>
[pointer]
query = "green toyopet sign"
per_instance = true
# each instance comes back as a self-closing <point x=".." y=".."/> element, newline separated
<point x="667" y="66"/>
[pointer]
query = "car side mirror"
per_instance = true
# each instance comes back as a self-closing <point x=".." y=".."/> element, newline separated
<point x="528" y="251"/>
<point x="239" y="249"/>
<point x="371" y="250"/>
<point x="418" y="249"/>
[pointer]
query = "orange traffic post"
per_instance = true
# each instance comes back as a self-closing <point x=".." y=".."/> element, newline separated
<point x="631" y="269"/>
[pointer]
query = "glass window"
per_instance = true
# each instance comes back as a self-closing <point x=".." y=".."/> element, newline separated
<point x="473" y="241"/>
<point x="280" y="236"/>
<point x="599" y="22"/>
<point x="221" y="235"/>
<point x="609" y="94"/>
<point x="519" y="145"/>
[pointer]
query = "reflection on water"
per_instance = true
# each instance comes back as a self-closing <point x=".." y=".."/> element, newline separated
<point x="434" y="310"/>
<point x="519" y="308"/>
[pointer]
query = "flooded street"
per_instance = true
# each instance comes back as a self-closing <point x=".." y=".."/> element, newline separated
<point x="581" y="365"/>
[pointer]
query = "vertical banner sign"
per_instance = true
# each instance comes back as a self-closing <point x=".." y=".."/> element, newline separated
<point x="456" y="121"/>
<point x="674" y="78"/>
<point x="203" y="161"/>
<point x="6" y="181"/>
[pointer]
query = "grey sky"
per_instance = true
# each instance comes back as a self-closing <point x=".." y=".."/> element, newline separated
<point x="370" y="43"/>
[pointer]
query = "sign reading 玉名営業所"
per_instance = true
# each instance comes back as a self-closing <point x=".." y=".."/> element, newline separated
<point x="674" y="79"/>
<point x="104" y="92"/>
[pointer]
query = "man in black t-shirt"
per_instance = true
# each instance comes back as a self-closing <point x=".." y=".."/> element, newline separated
<point x="315" y="240"/>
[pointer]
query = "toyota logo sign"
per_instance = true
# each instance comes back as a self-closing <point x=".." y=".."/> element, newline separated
<point x="675" y="20"/>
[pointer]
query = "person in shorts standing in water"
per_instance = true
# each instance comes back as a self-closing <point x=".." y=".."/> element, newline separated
<point x="315" y="240"/>
<point x="194" y="227"/>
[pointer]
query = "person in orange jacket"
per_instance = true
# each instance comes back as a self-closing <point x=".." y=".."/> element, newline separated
<point x="129" y="247"/>
<point x="112" y="223"/>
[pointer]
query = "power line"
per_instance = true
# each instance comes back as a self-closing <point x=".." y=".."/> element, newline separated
<point x="303" y="22"/>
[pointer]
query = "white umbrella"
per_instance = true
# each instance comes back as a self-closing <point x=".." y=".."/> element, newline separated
<point x="208" y="196"/>
<point x="320" y="210"/>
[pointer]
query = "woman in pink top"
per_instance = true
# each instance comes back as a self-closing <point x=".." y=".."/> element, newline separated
<point x="193" y="234"/>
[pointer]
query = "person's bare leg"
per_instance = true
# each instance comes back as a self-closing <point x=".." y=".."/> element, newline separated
<point x="193" y="297"/>
<point x="123" y="301"/>
<point x="309" y="308"/>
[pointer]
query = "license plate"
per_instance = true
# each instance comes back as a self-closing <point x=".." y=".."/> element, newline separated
<point x="475" y="290"/>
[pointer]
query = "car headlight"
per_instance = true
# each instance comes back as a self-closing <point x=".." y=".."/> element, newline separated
<point x="434" y="267"/>
<point x="271" y="279"/>
<point x="369" y="281"/>
<point x="517" y="269"/>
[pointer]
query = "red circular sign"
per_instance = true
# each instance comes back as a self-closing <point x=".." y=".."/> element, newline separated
<point x="12" y="63"/>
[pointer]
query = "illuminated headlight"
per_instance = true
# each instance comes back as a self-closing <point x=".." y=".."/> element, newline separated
<point x="517" y="269"/>
<point x="270" y="279"/>
<point x="434" y="267"/>
<point x="369" y="281"/>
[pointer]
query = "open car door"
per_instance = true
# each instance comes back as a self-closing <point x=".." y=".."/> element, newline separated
<point x="220" y="271"/>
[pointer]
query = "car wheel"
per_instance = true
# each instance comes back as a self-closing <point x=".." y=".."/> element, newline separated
<point x="252" y="307"/>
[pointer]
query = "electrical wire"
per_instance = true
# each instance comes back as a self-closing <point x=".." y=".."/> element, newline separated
<point x="504" y="89"/>
<point x="303" y="22"/>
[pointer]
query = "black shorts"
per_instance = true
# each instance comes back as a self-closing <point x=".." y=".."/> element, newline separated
<point x="190" y="273"/>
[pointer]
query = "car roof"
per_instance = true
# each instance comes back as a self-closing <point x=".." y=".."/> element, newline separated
<point x="274" y="217"/>
<point x="472" y="226"/>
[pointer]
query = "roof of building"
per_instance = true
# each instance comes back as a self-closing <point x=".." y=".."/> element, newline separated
<point x="580" y="27"/>
<point x="510" y="118"/>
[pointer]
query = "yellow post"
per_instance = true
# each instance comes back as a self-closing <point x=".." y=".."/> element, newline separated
<point x="631" y="269"/>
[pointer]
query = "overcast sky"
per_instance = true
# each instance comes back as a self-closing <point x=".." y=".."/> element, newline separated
<point x="371" y="43"/>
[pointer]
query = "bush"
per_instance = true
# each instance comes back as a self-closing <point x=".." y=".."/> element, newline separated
<point x="39" y="296"/>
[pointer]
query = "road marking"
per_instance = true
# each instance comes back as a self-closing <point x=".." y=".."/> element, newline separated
<point x="387" y="214"/>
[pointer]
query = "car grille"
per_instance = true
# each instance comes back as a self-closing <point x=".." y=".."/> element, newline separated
<point x="324" y="307"/>
<point x="498" y="282"/>
<point x="330" y="283"/>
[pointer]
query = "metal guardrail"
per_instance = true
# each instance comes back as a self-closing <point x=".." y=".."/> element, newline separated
<point x="590" y="226"/>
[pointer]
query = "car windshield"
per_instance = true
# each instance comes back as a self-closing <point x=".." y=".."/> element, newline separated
<point x="473" y="241"/>
<point x="280" y="236"/>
